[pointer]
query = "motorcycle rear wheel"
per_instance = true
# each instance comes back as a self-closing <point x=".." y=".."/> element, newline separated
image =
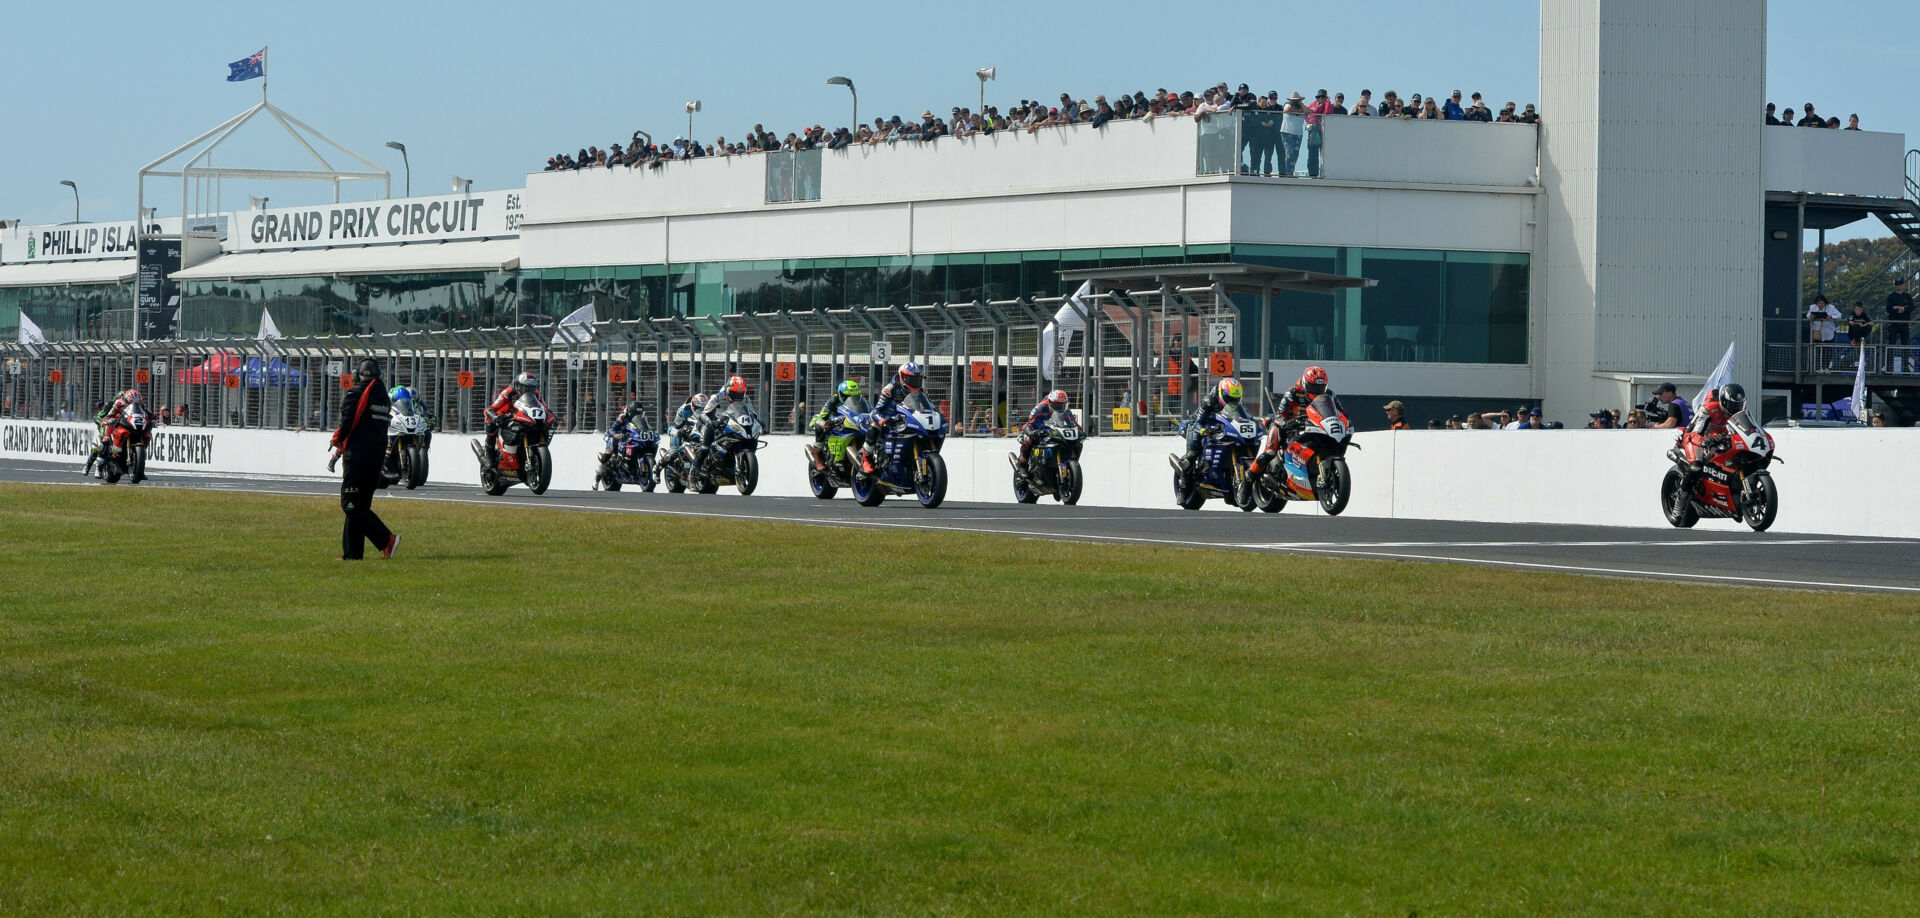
<point x="1761" y="511"/>
<point x="113" y="471"/>
<point x="868" y="491"/>
<point x="1333" y="486"/>
<point x="823" y="486"/>
<point x="493" y="484"/>
<point x="1188" y="497"/>
<point x="1676" y="507"/>
<point x="1267" y="499"/>
<point x="1023" y="490"/>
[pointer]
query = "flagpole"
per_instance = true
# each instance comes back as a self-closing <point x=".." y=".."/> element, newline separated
<point x="263" y="73"/>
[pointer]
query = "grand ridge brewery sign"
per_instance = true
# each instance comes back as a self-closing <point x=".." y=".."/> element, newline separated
<point x="466" y="216"/>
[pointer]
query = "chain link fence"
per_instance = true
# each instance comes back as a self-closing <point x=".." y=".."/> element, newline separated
<point x="1132" y="361"/>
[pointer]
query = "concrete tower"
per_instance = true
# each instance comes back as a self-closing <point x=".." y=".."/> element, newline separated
<point x="1654" y="210"/>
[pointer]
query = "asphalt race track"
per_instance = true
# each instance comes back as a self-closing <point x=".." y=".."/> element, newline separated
<point x="1713" y="553"/>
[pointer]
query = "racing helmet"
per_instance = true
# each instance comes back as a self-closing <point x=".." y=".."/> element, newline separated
<point x="526" y="382"/>
<point x="698" y="401"/>
<point x="132" y="396"/>
<point x="736" y="388"/>
<point x="1732" y="398"/>
<point x="1230" y="390"/>
<point x="849" y="388"/>
<point x="911" y="375"/>
<point x="1313" y="381"/>
<point x="1058" y="399"/>
<point x="400" y="394"/>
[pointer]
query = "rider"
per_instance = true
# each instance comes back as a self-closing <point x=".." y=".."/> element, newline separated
<point x="100" y="434"/>
<point x="682" y="427"/>
<point x="828" y="418"/>
<point x="714" y="415"/>
<point x="1710" y="425"/>
<point x="1225" y="395"/>
<point x="106" y="420"/>
<point x="501" y="411"/>
<point x="623" y="427"/>
<point x="905" y="383"/>
<point x="1054" y="404"/>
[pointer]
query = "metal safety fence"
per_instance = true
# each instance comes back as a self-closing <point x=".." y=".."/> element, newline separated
<point x="1132" y="361"/>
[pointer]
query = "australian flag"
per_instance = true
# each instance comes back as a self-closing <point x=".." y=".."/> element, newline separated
<point x="251" y="68"/>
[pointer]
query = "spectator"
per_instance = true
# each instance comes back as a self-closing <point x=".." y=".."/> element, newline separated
<point x="1677" y="412"/>
<point x="1534" y="421"/>
<point x="1455" y="423"/>
<point x="1477" y="422"/>
<point x="1600" y="420"/>
<point x="1859" y="328"/>
<point x="1833" y="124"/>
<point x="1435" y="424"/>
<point x="1879" y="419"/>
<point x="1821" y="317"/>
<point x="1771" y="118"/>
<point x="1293" y="127"/>
<point x="1364" y="107"/>
<point x="1452" y="111"/>
<point x="1397" y="416"/>
<point x="1898" y="336"/>
<point x="1853" y="122"/>
<point x="1431" y="112"/>
<point x="1636" y="419"/>
<point x="1317" y="113"/>
<point x="1480" y="112"/>
<point x="1811" y="119"/>
<point x="1339" y="104"/>
<point x="1507" y="116"/>
<point x="1529" y="116"/>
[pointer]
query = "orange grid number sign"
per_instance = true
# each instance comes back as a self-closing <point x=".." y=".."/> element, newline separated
<point x="142" y="377"/>
<point x="981" y="371"/>
<point x="346" y="380"/>
<point x="56" y="377"/>
<point x="233" y="380"/>
<point x="616" y="374"/>
<point x="1220" y="363"/>
<point x="785" y="371"/>
<point x="465" y="379"/>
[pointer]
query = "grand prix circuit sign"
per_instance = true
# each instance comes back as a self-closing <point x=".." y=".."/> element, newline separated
<point x="475" y="215"/>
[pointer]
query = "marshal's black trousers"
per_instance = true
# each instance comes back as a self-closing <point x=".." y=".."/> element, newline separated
<point x="363" y="526"/>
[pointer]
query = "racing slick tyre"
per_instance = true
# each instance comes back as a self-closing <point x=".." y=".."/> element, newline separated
<point x="1333" y="486"/>
<point x="1676" y="506"/>
<point x="931" y="487"/>
<point x="1763" y="504"/>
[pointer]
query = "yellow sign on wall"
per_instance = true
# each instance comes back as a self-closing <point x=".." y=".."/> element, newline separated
<point x="1123" y="419"/>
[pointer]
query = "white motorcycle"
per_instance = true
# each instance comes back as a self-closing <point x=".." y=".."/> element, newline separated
<point x="409" y="433"/>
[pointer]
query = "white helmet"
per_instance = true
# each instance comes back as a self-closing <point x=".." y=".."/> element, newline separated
<point x="526" y="382"/>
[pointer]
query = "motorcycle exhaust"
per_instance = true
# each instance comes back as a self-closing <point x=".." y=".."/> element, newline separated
<point x="1172" y="461"/>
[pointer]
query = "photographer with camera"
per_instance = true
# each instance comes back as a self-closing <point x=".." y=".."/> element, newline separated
<point x="1667" y="409"/>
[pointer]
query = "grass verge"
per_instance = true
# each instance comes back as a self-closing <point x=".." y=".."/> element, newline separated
<point x="538" y="711"/>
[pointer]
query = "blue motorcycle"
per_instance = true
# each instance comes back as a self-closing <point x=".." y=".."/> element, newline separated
<point x="1229" y="445"/>
<point x="628" y="458"/>
<point x="907" y="447"/>
<point x="831" y="469"/>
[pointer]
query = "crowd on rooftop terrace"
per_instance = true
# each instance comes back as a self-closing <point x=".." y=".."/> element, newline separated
<point x="1297" y="119"/>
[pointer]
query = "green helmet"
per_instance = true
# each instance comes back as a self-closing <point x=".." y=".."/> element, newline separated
<point x="850" y="388"/>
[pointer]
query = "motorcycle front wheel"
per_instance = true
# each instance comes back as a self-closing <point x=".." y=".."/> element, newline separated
<point x="1334" y="487"/>
<point x="139" y="464"/>
<point x="540" y="473"/>
<point x="746" y="472"/>
<point x="931" y="486"/>
<point x="416" y="470"/>
<point x="1763" y="504"/>
<point x="647" y="476"/>
<point x="1070" y="483"/>
<point x="1677" y="507"/>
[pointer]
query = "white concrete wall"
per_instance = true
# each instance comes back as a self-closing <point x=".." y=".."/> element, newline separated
<point x="1866" y="163"/>
<point x="1609" y="478"/>
<point x="1443" y="152"/>
<point x="1320" y="213"/>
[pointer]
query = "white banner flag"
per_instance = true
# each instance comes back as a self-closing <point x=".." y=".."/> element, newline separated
<point x="1058" y="335"/>
<point x="268" y="330"/>
<point x="1721" y="375"/>
<point x="29" y="332"/>
<point x="576" y="328"/>
<point x="1860" y="386"/>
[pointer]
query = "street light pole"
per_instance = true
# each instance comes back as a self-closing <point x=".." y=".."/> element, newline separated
<point x="397" y="145"/>
<point x="76" y="198"/>
<point x="848" y="83"/>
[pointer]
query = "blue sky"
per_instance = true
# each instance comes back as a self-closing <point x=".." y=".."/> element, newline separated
<point x="488" y="90"/>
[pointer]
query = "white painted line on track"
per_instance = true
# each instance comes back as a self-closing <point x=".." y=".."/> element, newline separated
<point x="1615" y="571"/>
<point x="1618" y="543"/>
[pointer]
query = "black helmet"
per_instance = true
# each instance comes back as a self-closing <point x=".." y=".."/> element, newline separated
<point x="368" y="369"/>
<point x="1733" y="398"/>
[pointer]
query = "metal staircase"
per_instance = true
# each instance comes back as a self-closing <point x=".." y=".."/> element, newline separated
<point x="1905" y="222"/>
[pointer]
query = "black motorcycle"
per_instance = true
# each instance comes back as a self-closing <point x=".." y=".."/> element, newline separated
<point x="1052" y="464"/>
<point x="729" y="459"/>
<point x="628" y="458"/>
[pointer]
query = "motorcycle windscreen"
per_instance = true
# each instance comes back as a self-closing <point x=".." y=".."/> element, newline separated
<point x="916" y="401"/>
<point x="404" y="408"/>
<point x="532" y="405"/>
<point x="857" y="404"/>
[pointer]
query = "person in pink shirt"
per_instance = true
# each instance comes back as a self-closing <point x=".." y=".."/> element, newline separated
<point x="1316" y="113"/>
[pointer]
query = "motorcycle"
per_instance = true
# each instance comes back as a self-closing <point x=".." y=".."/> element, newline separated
<point x="125" y="449"/>
<point x="728" y="460"/>
<point x="1053" y="466"/>
<point x="1313" y="466"/>
<point x="907" y="447"/>
<point x="409" y="434"/>
<point x="839" y="460"/>
<point x="628" y="458"/>
<point x="1226" y="450"/>
<point x="1733" y="482"/>
<point x="523" y="446"/>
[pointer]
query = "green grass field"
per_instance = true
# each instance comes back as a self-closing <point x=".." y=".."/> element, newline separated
<point x="557" y="713"/>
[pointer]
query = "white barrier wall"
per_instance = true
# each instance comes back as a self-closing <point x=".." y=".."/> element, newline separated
<point x="1609" y="478"/>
